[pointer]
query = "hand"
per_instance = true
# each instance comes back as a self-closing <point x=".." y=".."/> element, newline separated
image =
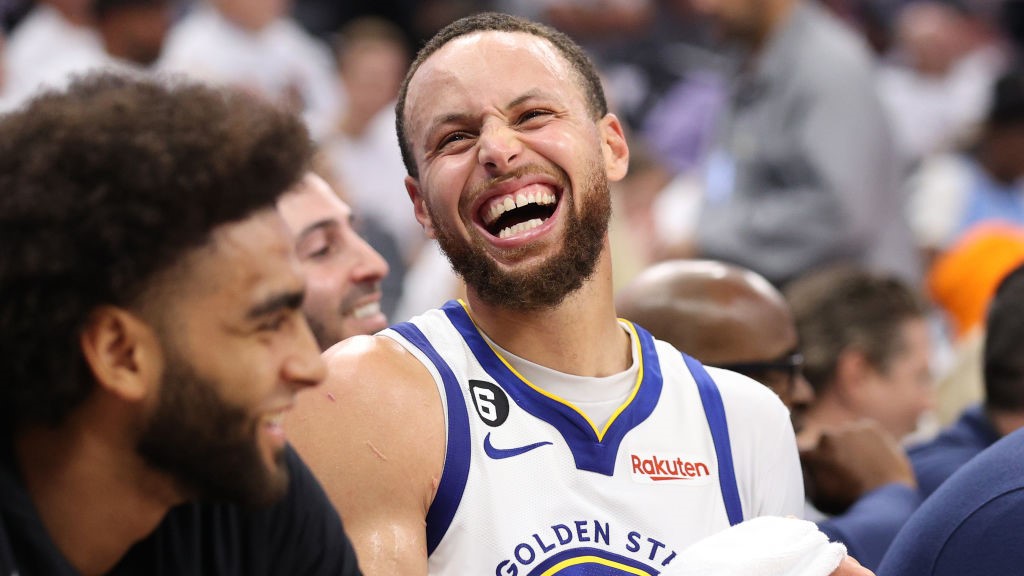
<point x="850" y="461"/>
<point x="850" y="567"/>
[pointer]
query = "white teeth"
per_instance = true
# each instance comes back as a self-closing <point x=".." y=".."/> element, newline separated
<point x="541" y="198"/>
<point x="366" y="310"/>
<point x="276" y="419"/>
<point x="520" y="228"/>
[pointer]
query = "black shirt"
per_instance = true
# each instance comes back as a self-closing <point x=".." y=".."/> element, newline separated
<point x="300" y="535"/>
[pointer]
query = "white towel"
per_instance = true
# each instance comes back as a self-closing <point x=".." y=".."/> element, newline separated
<point x="765" y="546"/>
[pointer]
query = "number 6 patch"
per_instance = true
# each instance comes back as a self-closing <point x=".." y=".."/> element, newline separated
<point x="490" y="401"/>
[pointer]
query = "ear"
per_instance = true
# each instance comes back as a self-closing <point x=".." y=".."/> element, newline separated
<point x="614" y="147"/>
<point x="852" y="372"/>
<point x="419" y="204"/>
<point x="123" y="353"/>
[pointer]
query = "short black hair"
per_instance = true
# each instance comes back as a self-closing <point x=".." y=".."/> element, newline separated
<point x="105" y="185"/>
<point x="1004" y="345"/>
<point x="590" y="81"/>
<point x="1007" y="107"/>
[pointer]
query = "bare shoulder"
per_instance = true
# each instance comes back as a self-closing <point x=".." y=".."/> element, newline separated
<point x="373" y="433"/>
<point x="375" y="391"/>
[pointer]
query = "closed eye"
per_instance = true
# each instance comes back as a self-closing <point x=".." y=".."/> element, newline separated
<point x="534" y="114"/>
<point x="452" y="138"/>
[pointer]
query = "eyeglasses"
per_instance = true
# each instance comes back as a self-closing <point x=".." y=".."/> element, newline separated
<point x="790" y="364"/>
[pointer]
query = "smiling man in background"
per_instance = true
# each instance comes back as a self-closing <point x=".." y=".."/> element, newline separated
<point x="343" y="272"/>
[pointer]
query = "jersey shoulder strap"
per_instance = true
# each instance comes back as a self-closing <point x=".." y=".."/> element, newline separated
<point x="714" y="411"/>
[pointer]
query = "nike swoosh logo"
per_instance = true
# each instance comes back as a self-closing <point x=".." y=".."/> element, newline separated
<point x="501" y="453"/>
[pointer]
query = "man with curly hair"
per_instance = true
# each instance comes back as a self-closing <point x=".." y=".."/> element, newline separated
<point x="152" y="337"/>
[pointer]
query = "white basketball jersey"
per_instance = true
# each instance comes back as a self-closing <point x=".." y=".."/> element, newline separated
<point x="530" y="486"/>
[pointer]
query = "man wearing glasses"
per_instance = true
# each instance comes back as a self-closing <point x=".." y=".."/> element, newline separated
<point x="733" y="318"/>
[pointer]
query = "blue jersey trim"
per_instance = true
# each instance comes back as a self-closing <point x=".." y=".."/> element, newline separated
<point x="589" y="452"/>
<point x="715" y="413"/>
<point x="457" y="457"/>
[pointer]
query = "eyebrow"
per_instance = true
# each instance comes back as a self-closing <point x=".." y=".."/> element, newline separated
<point x="325" y="223"/>
<point x="459" y="118"/>
<point x="290" y="300"/>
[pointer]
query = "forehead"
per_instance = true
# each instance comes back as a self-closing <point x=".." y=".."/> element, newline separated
<point x="311" y="201"/>
<point x="763" y="329"/>
<point x="488" y="68"/>
<point x="243" y="262"/>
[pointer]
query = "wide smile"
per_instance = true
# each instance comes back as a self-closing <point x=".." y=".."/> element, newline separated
<point x="513" y="214"/>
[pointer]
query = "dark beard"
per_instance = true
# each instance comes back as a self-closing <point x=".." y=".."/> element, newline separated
<point x="548" y="284"/>
<point x="209" y="447"/>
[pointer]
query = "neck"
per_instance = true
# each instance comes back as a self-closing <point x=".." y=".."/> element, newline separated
<point x="92" y="492"/>
<point x="580" y="336"/>
<point x="1005" y="421"/>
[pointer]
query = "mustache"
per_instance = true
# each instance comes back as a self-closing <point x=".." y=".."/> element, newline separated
<point x="557" y="174"/>
<point x="356" y="293"/>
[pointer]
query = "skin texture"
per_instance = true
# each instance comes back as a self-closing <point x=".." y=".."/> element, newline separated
<point x="343" y="272"/>
<point x="231" y="308"/>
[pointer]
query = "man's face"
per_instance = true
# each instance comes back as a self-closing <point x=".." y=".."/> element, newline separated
<point x="140" y="31"/>
<point x="513" y="168"/>
<point x="343" y="272"/>
<point x="765" y="341"/>
<point x="253" y="15"/>
<point x="898" y="396"/>
<point x="740" y="21"/>
<point x="235" y="349"/>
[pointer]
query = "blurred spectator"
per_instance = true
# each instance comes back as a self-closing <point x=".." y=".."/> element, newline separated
<point x="937" y="88"/>
<point x="125" y="35"/>
<point x="804" y="173"/>
<point x="372" y="59"/>
<point x="866" y="346"/>
<point x="954" y="192"/>
<point x="1003" y="409"/>
<point x="3" y="67"/>
<point x="53" y="40"/>
<point x="962" y="282"/>
<point x="133" y="30"/>
<point x="254" y="45"/>
<point x="733" y="318"/>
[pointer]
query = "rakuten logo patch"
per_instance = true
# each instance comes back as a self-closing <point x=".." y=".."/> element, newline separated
<point x="661" y="468"/>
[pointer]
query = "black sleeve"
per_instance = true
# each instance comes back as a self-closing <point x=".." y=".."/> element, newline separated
<point x="305" y="532"/>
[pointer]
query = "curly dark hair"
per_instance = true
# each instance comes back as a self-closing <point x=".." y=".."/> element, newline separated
<point x="104" y="186"/>
<point x="844" y="307"/>
<point x="589" y="81"/>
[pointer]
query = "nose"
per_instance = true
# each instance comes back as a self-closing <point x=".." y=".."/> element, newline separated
<point x="303" y="367"/>
<point x="372" y="267"/>
<point x="802" y="394"/>
<point x="499" y="147"/>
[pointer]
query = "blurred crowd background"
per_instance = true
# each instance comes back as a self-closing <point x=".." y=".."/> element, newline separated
<point x="946" y="73"/>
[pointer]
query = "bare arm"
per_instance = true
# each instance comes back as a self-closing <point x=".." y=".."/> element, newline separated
<point x="373" y="434"/>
